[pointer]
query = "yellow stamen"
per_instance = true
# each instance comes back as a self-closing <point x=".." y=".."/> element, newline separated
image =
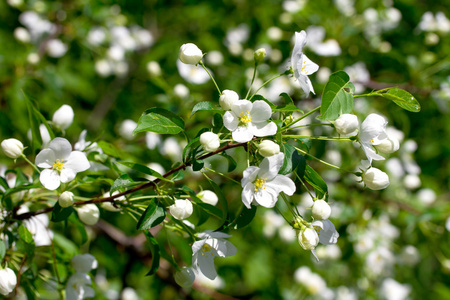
<point x="372" y="141"/>
<point x="245" y="118"/>
<point x="58" y="165"/>
<point x="206" y="248"/>
<point x="318" y="229"/>
<point x="260" y="184"/>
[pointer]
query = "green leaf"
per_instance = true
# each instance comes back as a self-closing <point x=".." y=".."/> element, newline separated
<point x="122" y="183"/>
<point x="301" y="167"/>
<point x="316" y="181"/>
<point x="205" y="106"/>
<point x="245" y="217"/>
<point x="291" y="159"/>
<point x="210" y="209"/>
<point x="2" y="250"/>
<point x="217" y="122"/>
<point x="160" y="121"/>
<point x="287" y="98"/>
<point x="403" y="99"/>
<point x="190" y="146"/>
<point x="36" y="139"/>
<point x="198" y="164"/>
<point x="144" y="169"/>
<point x="25" y="235"/>
<point x="109" y="149"/>
<point x="154" y="247"/>
<point x="60" y="214"/>
<point x="335" y="99"/>
<point x="152" y="216"/>
<point x="222" y="200"/>
<point x="231" y="162"/>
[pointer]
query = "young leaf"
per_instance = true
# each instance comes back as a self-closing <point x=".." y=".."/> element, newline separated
<point x="205" y="106"/>
<point x="291" y="159"/>
<point x="122" y="183"/>
<point x="403" y="99"/>
<point x="198" y="164"/>
<point x="25" y="235"/>
<point x="2" y="250"/>
<point x="245" y="217"/>
<point x="154" y="247"/>
<point x="210" y="209"/>
<point x="109" y="149"/>
<point x="231" y="162"/>
<point x="316" y="181"/>
<point x="160" y="121"/>
<point x="152" y="216"/>
<point x="335" y="99"/>
<point x="60" y="214"/>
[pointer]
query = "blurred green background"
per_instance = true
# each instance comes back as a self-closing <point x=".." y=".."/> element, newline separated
<point x="111" y="60"/>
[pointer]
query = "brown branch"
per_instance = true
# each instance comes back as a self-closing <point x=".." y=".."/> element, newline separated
<point x="146" y="185"/>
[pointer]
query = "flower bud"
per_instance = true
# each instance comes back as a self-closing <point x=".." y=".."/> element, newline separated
<point x="375" y="179"/>
<point x="190" y="54"/>
<point x="308" y="238"/>
<point x="13" y="148"/>
<point x="88" y="214"/>
<point x="8" y="281"/>
<point x="321" y="210"/>
<point x="388" y="146"/>
<point x="185" y="277"/>
<point x="268" y="148"/>
<point x="66" y="199"/>
<point x="208" y="196"/>
<point x="84" y="263"/>
<point x="63" y="117"/>
<point x="154" y="68"/>
<point x="182" y="209"/>
<point x="210" y="141"/>
<point x="260" y="54"/>
<point x="227" y="99"/>
<point x="346" y="124"/>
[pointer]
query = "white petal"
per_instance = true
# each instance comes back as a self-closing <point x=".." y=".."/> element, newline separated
<point x="264" y="129"/>
<point x="242" y="134"/>
<point x="45" y="158"/>
<point x="267" y="197"/>
<point x="261" y="111"/>
<point x="300" y="41"/>
<point x="308" y="67"/>
<point x="225" y="248"/>
<point x="50" y="179"/>
<point x="249" y="175"/>
<point x="61" y="147"/>
<point x="217" y="234"/>
<point x="206" y="265"/>
<point x="270" y="166"/>
<point x="370" y="153"/>
<point x="230" y="121"/>
<point x="372" y="127"/>
<point x="282" y="183"/>
<point x="77" y="161"/>
<point x="328" y="234"/>
<point x="305" y="83"/>
<point x="197" y="245"/>
<point x="241" y="106"/>
<point x="247" y="194"/>
<point x="67" y="175"/>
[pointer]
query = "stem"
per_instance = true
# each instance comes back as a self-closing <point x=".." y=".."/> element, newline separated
<point x="302" y="117"/>
<point x="221" y="174"/>
<point x="278" y="210"/>
<point x="212" y="78"/>
<point x="304" y="185"/>
<point x="294" y="212"/>
<point x="253" y="79"/>
<point x="322" y="138"/>
<point x="322" y="161"/>
<point x="264" y="84"/>
<point x="307" y="125"/>
<point x="31" y="164"/>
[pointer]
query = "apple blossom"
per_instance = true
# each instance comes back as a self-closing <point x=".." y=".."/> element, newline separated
<point x="88" y="214"/>
<point x="8" y="281"/>
<point x="13" y="148"/>
<point x="326" y="231"/>
<point x="308" y="238"/>
<point x="247" y="119"/>
<point x="301" y="65"/>
<point x="204" y="251"/>
<point x="79" y="287"/>
<point x="375" y="179"/>
<point x="321" y="210"/>
<point x="66" y="199"/>
<point x="190" y="54"/>
<point x="60" y="162"/>
<point x="263" y="184"/>
<point x="181" y="209"/>
<point x="63" y="117"/>
<point x="84" y="263"/>
<point x="208" y="196"/>
<point x="346" y="124"/>
<point x="210" y="141"/>
<point x="227" y="98"/>
<point x="185" y="277"/>
<point x="268" y="148"/>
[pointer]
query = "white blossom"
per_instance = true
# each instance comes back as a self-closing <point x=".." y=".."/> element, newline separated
<point x="12" y="148"/>
<point x="263" y="184"/>
<point x="227" y="98"/>
<point x="193" y="74"/>
<point x="204" y="251"/>
<point x="84" y="263"/>
<point x="63" y="117"/>
<point x="190" y="54"/>
<point x="301" y="65"/>
<point x="126" y="129"/>
<point x="375" y="179"/>
<point x="210" y="141"/>
<point x="321" y="210"/>
<point x="247" y="119"/>
<point x="181" y="209"/>
<point x="208" y="196"/>
<point x="38" y="227"/>
<point x="56" y="48"/>
<point x="308" y="238"/>
<point x="65" y="199"/>
<point x="79" y="287"/>
<point x="346" y="125"/>
<point x="8" y="281"/>
<point x="88" y="214"/>
<point x="268" y="148"/>
<point x="326" y="231"/>
<point x="392" y="290"/>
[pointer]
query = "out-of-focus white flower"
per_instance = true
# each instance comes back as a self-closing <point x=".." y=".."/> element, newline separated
<point x="14" y="3"/>
<point x="181" y="91"/>
<point x="312" y="281"/>
<point x="247" y="119"/>
<point x="109" y="205"/>
<point x="263" y="184"/>
<point x="120" y="68"/>
<point x="56" y="48"/>
<point x="121" y="36"/>
<point x="410" y="255"/>
<point x="375" y="179"/>
<point x="103" y="68"/>
<point x="379" y="260"/>
<point x="96" y="36"/>
<point x="38" y="227"/>
<point x="208" y="196"/>
<point x="63" y="117"/>
<point x="156" y="167"/>
<point x="329" y="47"/>
<point x="8" y="281"/>
<point x="346" y="124"/>
<point x="237" y="35"/>
<point x="346" y="7"/>
<point x="190" y="54"/>
<point x="33" y="58"/>
<point x="214" y="58"/>
<point x="268" y="148"/>
<point x="431" y="23"/>
<point x="359" y="75"/>
<point x="172" y="148"/>
<point x="272" y="222"/>
<point x="79" y="287"/>
<point x="323" y="75"/>
<point x="22" y="35"/>
<point x="427" y="196"/>
<point x="154" y="68"/>
<point x="212" y="244"/>
<point x="182" y="209"/>
<point x="129" y="293"/>
<point x="65" y="199"/>
<point x="228" y="98"/>
<point x="216" y="284"/>
<point x="287" y="234"/>
<point x="392" y="290"/>
<point x="126" y="129"/>
<point x="192" y="74"/>
<point x="412" y="181"/>
<point x="321" y="210"/>
<point x="84" y="263"/>
<point x="115" y="52"/>
<point x="394" y="167"/>
<point x="88" y="214"/>
<point x="447" y="224"/>
<point x="12" y="148"/>
<point x="152" y="140"/>
<point x="274" y="33"/>
<point x="185" y="277"/>
<point x="301" y="65"/>
<point x="143" y="37"/>
<point x="61" y="164"/>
